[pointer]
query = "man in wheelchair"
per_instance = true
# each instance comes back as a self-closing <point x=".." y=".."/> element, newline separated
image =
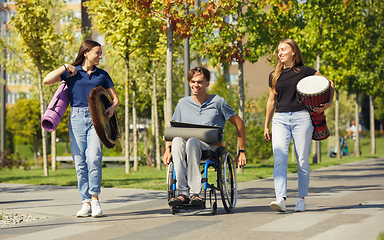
<point x="205" y="109"/>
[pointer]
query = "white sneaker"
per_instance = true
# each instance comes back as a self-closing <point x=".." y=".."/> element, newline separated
<point x="278" y="205"/>
<point x="96" y="208"/>
<point x="85" y="211"/>
<point x="300" y="205"/>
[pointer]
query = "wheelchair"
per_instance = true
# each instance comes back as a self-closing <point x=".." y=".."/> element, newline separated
<point x="221" y="162"/>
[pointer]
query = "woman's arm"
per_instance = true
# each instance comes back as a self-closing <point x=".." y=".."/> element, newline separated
<point x="271" y="104"/>
<point x="54" y="76"/>
<point x="115" y="101"/>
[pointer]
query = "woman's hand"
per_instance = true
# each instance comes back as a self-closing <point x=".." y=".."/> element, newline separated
<point x="109" y="111"/>
<point x="71" y="69"/>
<point x="266" y="134"/>
<point x="322" y="107"/>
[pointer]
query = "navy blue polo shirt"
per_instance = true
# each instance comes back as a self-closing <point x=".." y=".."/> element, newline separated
<point x="81" y="84"/>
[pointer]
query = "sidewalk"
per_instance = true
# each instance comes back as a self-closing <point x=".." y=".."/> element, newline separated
<point x="345" y="202"/>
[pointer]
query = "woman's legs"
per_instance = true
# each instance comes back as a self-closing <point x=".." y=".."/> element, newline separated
<point x="297" y="125"/>
<point x="302" y="131"/>
<point x="281" y="136"/>
<point x="86" y="153"/>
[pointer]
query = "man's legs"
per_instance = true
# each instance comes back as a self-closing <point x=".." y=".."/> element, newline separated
<point x="178" y="156"/>
<point x="194" y="150"/>
<point x="188" y="175"/>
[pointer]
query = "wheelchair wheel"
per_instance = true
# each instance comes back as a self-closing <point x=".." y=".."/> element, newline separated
<point x="173" y="210"/>
<point x="170" y="192"/>
<point x="226" y="177"/>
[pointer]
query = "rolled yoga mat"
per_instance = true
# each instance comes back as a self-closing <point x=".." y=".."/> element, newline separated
<point x="56" y="108"/>
<point x="207" y="134"/>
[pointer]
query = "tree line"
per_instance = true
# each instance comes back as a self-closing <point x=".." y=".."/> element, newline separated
<point x="145" y="55"/>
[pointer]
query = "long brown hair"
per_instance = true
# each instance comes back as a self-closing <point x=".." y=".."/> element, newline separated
<point x="297" y="60"/>
<point x="86" y="46"/>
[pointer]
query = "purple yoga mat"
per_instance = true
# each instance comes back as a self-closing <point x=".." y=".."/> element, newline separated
<point x="56" y="108"/>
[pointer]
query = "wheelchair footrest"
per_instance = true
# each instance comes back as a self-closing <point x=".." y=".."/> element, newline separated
<point x="189" y="206"/>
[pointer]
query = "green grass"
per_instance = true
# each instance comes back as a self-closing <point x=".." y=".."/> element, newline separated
<point x="381" y="236"/>
<point x="150" y="178"/>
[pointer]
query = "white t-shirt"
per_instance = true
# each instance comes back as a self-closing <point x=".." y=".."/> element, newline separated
<point x="353" y="129"/>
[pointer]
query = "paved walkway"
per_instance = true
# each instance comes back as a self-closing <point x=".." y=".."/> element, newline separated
<point x="345" y="202"/>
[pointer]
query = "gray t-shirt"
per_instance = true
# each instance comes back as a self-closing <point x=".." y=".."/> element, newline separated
<point x="214" y="112"/>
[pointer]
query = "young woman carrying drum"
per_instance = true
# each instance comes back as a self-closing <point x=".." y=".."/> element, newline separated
<point x="291" y="119"/>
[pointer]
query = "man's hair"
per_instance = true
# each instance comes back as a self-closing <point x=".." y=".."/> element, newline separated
<point x="203" y="70"/>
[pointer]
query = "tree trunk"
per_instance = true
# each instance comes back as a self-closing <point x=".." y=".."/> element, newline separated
<point x="169" y="87"/>
<point x="372" y="124"/>
<point x="43" y="131"/>
<point x="153" y="139"/>
<point x="241" y="91"/>
<point x="148" y="157"/>
<point x="337" y="129"/>
<point x="134" y="127"/>
<point x="187" y="89"/>
<point x="66" y="145"/>
<point x="156" y="122"/>
<point x="126" y="148"/>
<point x="357" y="121"/>
<point x="53" y="150"/>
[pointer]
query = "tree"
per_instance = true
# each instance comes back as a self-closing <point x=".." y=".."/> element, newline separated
<point x="35" y="22"/>
<point x="24" y="120"/>
<point x="126" y="28"/>
<point x="235" y="31"/>
<point x="178" y="16"/>
<point x="342" y="31"/>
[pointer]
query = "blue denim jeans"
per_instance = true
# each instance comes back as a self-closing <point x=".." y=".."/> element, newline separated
<point x="287" y="125"/>
<point x="86" y="152"/>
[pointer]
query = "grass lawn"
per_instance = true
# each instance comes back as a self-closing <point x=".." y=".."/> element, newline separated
<point x="150" y="178"/>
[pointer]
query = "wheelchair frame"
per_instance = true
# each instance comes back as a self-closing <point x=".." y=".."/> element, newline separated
<point x="226" y="181"/>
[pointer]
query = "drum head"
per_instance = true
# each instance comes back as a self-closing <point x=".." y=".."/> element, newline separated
<point x="106" y="128"/>
<point x="313" y="85"/>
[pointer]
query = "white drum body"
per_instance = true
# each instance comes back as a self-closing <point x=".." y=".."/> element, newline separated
<point x="313" y="91"/>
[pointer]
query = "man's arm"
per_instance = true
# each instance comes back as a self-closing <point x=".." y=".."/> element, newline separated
<point x="348" y="134"/>
<point x="240" y="127"/>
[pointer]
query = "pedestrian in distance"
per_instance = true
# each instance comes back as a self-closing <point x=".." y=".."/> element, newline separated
<point x="204" y="109"/>
<point x="352" y="131"/>
<point x="290" y="119"/>
<point x="86" y="148"/>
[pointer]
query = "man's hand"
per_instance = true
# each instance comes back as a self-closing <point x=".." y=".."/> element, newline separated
<point x="167" y="157"/>
<point x="240" y="160"/>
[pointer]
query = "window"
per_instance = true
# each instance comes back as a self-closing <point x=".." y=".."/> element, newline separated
<point x="233" y="78"/>
<point x="12" y="97"/>
<point x="3" y="16"/>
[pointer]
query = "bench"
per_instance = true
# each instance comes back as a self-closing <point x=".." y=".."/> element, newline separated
<point x="105" y="158"/>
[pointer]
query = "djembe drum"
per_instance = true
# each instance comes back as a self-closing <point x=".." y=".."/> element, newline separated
<point x="313" y="91"/>
<point x="106" y="128"/>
